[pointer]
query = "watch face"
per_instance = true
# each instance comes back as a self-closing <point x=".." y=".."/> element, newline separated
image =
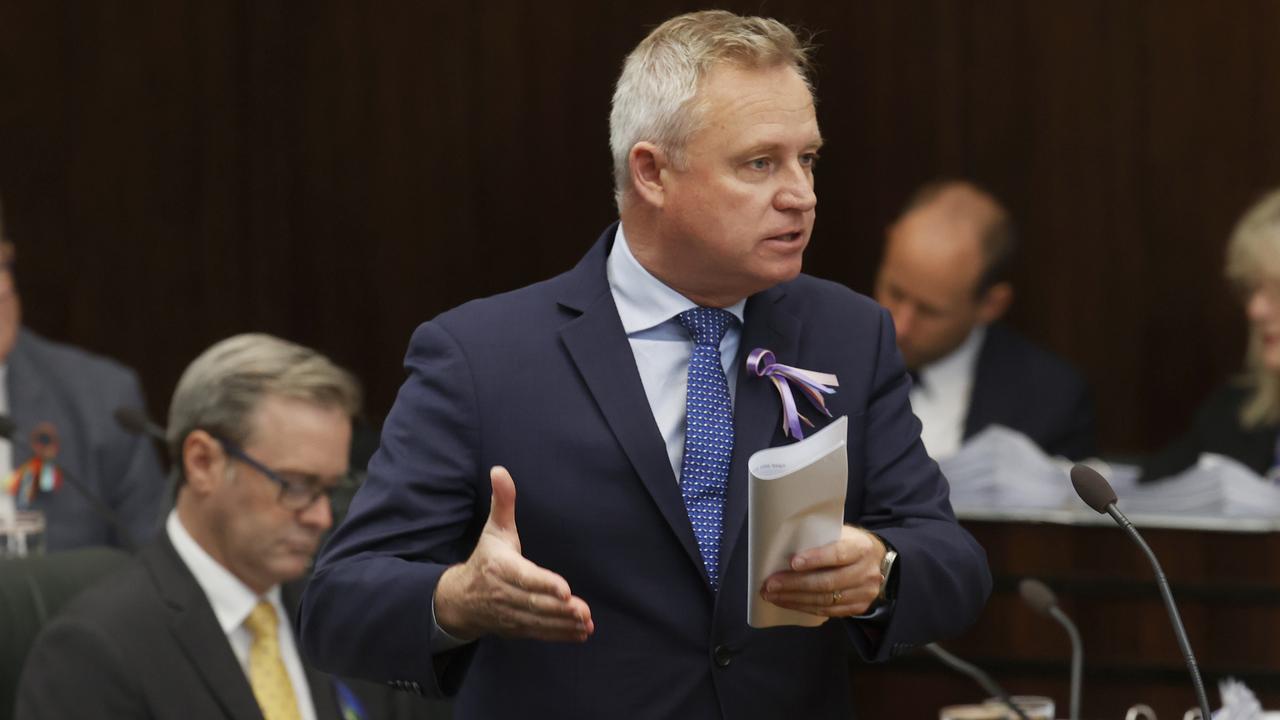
<point x="887" y="563"/>
<point x="886" y="569"/>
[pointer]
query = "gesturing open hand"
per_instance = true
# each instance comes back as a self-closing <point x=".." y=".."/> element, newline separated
<point x="498" y="591"/>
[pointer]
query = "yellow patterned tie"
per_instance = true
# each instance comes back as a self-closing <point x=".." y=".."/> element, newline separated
<point x="267" y="675"/>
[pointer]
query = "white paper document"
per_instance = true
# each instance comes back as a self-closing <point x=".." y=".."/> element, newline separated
<point x="795" y="502"/>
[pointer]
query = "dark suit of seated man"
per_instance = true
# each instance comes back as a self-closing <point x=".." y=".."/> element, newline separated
<point x="75" y="393"/>
<point x="944" y="279"/>
<point x="198" y="626"/>
<point x="616" y="399"/>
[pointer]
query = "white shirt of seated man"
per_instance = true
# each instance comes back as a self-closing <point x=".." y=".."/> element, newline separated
<point x="941" y="397"/>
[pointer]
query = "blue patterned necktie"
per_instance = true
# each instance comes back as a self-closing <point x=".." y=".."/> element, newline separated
<point x="708" y="434"/>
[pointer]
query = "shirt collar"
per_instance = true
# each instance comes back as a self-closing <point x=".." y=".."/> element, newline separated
<point x="231" y="599"/>
<point x="958" y="365"/>
<point x="643" y="300"/>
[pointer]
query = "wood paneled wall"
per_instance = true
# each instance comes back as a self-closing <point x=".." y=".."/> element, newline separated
<point x="336" y="172"/>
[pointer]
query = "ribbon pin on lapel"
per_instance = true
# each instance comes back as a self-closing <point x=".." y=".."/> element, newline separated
<point x="40" y="473"/>
<point x="813" y="384"/>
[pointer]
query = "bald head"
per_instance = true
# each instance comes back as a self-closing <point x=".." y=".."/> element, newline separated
<point x="943" y="269"/>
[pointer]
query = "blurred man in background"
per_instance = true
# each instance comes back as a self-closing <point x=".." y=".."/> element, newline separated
<point x="60" y="400"/>
<point x="944" y="278"/>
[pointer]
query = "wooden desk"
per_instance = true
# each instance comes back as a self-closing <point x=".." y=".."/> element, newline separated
<point x="1226" y="584"/>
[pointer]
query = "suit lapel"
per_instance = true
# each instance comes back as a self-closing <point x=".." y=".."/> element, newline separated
<point x="599" y="349"/>
<point x="198" y="633"/>
<point x="987" y="390"/>
<point x="27" y="395"/>
<point x="757" y="412"/>
<point x="603" y="356"/>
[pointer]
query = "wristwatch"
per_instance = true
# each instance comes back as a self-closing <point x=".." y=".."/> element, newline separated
<point x="886" y="575"/>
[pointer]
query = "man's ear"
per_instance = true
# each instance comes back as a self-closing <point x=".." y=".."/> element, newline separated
<point x="995" y="302"/>
<point x="647" y="162"/>
<point x="203" y="462"/>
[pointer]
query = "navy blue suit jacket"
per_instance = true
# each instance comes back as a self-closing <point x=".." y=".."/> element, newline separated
<point x="1025" y="387"/>
<point x="543" y="381"/>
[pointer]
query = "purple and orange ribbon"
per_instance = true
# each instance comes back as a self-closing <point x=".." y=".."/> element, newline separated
<point x="813" y="384"/>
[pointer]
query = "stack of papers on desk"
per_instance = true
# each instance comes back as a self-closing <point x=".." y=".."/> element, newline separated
<point x="1215" y="486"/>
<point x="1002" y="468"/>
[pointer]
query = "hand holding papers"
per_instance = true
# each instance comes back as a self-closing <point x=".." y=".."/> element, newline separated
<point x="796" y="502"/>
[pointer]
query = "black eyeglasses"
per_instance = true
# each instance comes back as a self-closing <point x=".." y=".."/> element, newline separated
<point x="297" y="490"/>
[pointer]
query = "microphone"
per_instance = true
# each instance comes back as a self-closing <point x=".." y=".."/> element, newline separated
<point x="9" y="430"/>
<point x="1098" y="494"/>
<point x="976" y="673"/>
<point x="137" y="422"/>
<point x="1042" y="600"/>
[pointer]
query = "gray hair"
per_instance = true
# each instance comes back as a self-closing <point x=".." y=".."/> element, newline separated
<point x="1253" y="254"/>
<point x="655" y="99"/>
<point x="221" y="389"/>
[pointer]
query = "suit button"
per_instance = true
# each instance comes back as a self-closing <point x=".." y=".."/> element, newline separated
<point x="723" y="655"/>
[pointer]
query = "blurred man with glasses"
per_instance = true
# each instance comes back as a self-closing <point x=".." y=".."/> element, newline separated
<point x="260" y="431"/>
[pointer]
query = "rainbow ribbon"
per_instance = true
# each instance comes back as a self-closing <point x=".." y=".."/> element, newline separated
<point x="40" y="473"/>
<point x="34" y="475"/>
<point x="813" y="384"/>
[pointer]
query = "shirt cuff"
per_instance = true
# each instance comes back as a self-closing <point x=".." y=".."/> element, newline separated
<point x="442" y="641"/>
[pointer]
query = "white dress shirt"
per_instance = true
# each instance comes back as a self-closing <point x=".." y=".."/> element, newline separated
<point x="662" y="347"/>
<point x="232" y="602"/>
<point x="941" y="398"/>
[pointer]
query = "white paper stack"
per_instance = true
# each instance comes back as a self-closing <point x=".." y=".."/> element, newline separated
<point x="1239" y="702"/>
<point x="1001" y="468"/>
<point x="795" y="502"/>
<point x="1214" y="486"/>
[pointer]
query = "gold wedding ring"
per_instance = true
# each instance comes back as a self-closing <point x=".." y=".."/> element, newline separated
<point x="835" y="597"/>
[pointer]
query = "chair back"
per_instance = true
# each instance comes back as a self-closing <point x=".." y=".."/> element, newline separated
<point x="32" y="590"/>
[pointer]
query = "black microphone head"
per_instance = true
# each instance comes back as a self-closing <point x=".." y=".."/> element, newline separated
<point x="1037" y="595"/>
<point x="7" y="427"/>
<point x="131" y="419"/>
<point x="1092" y="488"/>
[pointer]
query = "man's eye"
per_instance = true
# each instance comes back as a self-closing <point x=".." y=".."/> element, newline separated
<point x="809" y="159"/>
<point x="759" y="164"/>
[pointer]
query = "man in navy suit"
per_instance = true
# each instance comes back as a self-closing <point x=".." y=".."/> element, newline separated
<point x="595" y="594"/>
<point x="944" y="278"/>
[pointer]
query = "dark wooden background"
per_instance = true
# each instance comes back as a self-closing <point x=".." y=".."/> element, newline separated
<point x="336" y="172"/>
<point x="175" y="171"/>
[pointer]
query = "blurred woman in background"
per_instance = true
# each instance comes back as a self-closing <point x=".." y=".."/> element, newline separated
<point x="1241" y="419"/>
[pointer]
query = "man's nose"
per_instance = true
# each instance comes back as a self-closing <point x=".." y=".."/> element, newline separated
<point x="903" y="319"/>
<point x="319" y="514"/>
<point x="797" y="192"/>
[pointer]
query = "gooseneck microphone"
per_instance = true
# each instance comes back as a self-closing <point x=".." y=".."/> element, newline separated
<point x="976" y="673"/>
<point x="1042" y="600"/>
<point x="1098" y="494"/>
<point x="137" y="422"/>
<point x="9" y="431"/>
